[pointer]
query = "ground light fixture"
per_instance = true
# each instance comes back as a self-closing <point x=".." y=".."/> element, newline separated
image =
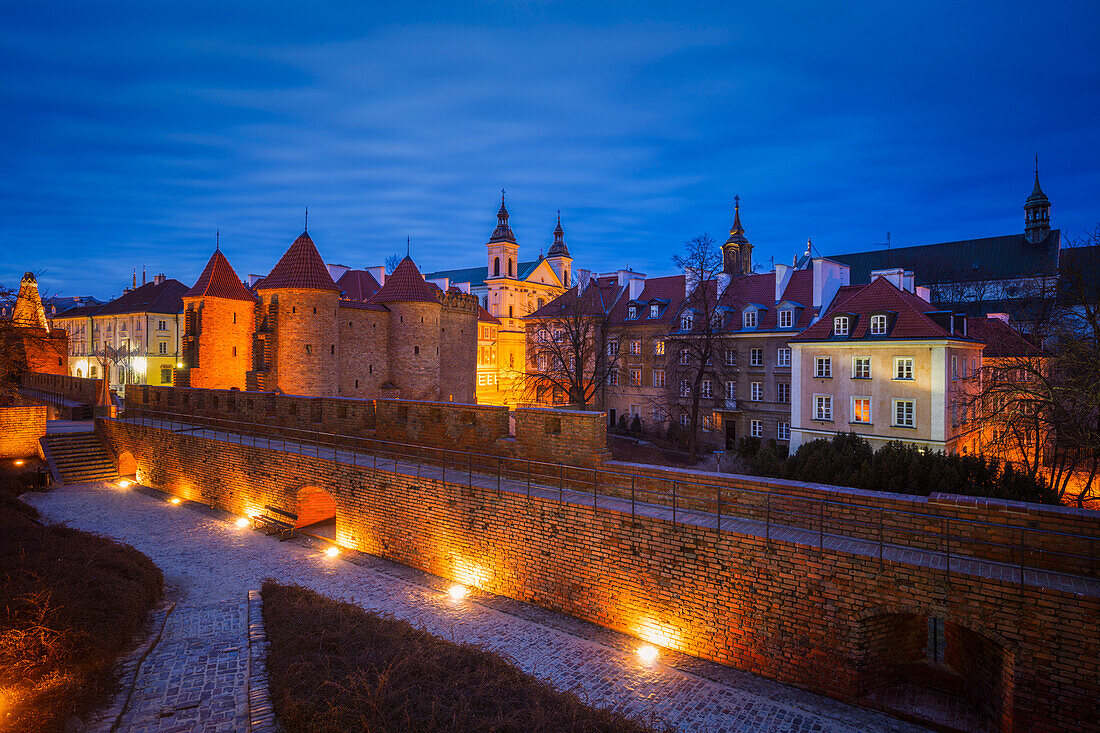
<point x="174" y="500"/>
<point x="242" y="522"/>
<point x="125" y="483"/>
<point x="19" y="461"/>
<point x="332" y="551"/>
<point x="458" y="591"/>
<point x="647" y="653"/>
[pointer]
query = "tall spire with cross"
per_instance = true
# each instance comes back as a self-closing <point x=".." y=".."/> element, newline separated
<point x="503" y="232"/>
<point x="737" y="251"/>
<point x="306" y="227"/>
<point x="1036" y="212"/>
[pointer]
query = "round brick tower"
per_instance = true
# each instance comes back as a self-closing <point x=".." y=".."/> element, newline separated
<point x="220" y="318"/>
<point x="304" y="358"/>
<point x="414" y="334"/>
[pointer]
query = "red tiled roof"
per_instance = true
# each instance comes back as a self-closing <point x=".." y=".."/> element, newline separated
<point x="301" y="267"/>
<point x="165" y="297"/>
<point x="1000" y="339"/>
<point x="485" y="316"/>
<point x="669" y="289"/>
<point x="881" y="296"/>
<point x="406" y="284"/>
<point x="745" y="290"/>
<point x="219" y="280"/>
<point x="358" y="285"/>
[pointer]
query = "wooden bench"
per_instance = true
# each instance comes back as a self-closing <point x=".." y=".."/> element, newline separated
<point x="275" y="521"/>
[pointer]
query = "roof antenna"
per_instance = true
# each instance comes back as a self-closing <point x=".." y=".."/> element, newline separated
<point x="885" y="244"/>
<point x="306" y="228"/>
<point x="143" y="281"/>
<point x="1036" y="164"/>
<point x="408" y="245"/>
<point x="217" y="240"/>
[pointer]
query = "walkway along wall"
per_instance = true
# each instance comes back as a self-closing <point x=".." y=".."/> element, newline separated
<point x="833" y="622"/>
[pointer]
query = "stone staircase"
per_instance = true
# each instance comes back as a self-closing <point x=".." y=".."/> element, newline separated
<point x="78" y="457"/>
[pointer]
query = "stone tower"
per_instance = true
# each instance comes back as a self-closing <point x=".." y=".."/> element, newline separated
<point x="502" y="246"/>
<point x="737" y="251"/>
<point x="1037" y="212"/>
<point x="558" y="256"/>
<point x="28" y="312"/>
<point x="219" y="322"/>
<point x="298" y="334"/>
<point x="414" y="333"/>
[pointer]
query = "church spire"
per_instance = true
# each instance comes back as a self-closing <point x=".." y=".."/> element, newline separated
<point x="737" y="251"/>
<point x="503" y="232"/>
<point x="558" y="248"/>
<point x="1036" y="212"/>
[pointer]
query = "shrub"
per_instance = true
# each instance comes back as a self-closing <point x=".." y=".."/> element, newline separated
<point x="636" y="425"/>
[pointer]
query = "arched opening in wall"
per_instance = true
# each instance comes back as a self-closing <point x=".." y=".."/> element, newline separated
<point x="934" y="671"/>
<point x="316" y="513"/>
<point x="127" y="466"/>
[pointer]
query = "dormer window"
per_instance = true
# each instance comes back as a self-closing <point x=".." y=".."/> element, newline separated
<point x="686" y="322"/>
<point x="632" y="312"/>
<point x="878" y="325"/>
<point x="750" y="319"/>
<point x="654" y="311"/>
<point x="840" y="326"/>
<point x="786" y="318"/>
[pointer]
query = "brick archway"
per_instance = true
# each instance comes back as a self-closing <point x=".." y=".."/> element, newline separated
<point x="316" y="508"/>
<point x="954" y="670"/>
<point x="127" y="465"/>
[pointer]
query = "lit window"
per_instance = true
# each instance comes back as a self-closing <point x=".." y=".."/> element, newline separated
<point x="861" y="367"/>
<point x="756" y="428"/>
<point x="635" y="377"/>
<point x="756" y="390"/>
<point x="823" y="367"/>
<point x="786" y="318"/>
<point x="613" y="377"/>
<point x="861" y="410"/>
<point x="658" y="377"/>
<point x="750" y="319"/>
<point x="783" y="356"/>
<point x="840" y="325"/>
<point x="708" y="422"/>
<point x="635" y="347"/>
<point x="823" y="407"/>
<point x="783" y="392"/>
<point x="756" y="357"/>
<point x="878" y="325"/>
<point x="903" y="367"/>
<point x="784" y="431"/>
<point x="659" y="347"/>
<point x="905" y="413"/>
<point x="706" y="389"/>
<point x="612" y="348"/>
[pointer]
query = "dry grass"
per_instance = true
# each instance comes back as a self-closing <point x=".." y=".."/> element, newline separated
<point x="334" y="667"/>
<point x="70" y="602"/>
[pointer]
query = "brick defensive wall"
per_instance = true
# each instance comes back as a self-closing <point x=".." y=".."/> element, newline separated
<point x="845" y="616"/>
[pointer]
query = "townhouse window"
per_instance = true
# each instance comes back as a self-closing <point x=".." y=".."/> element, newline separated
<point x="635" y="347"/>
<point x="708" y="422"/>
<point x="783" y="356"/>
<point x="878" y="325"/>
<point x="163" y="325"/>
<point x="685" y="388"/>
<point x="685" y="356"/>
<point x="654" y="311"/>
<point x="823" y="407"/>
<point x="165" y="375"/>
<point x="783" y="432"/>
<point x="861" y="367"/>
<point x="756" y="391"/>
<point x="686" y="322"/>
<point x="544" y="335"/>
<point x="122" y="328"/>
<point x="731" y="390"/>
<point x="861" y="410"/>
<point x="658" y="414"/>
<point x="756" y="428"/>
<point x="823" y="367"/>
<point x="612" y="349"/>
<point x="903" y="367"/>
<point x="756" y="357"/>
<point x="786" y="318"/>
<point x="783" y="392"/>
<point x="905" y="413"/>
<point x="631" y="312"/>
<point x="706" y="389"/>
<point x="481" y="380"/>
<point x="635" y="377"/>
<point x="731" y="357"/>
<point x="162" y="347"/>
<point x="685" y="420"/>
<point x="749" y="319"/>
<point x="559" y="334"/>
<point x="542" y="362"/>
<point x="658" y="377"/>
<point x="954" y="367"/>
<point x="613" y="377"/>
<point x="840" y="326"/>
<point x="93" y="372"/>
<point x="659" y="347"/>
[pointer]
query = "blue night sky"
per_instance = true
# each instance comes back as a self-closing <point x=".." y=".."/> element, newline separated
<point x="131" y="132"/>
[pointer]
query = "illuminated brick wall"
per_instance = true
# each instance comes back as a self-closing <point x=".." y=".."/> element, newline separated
<point x="219" y="333"/>
<point x="830" y="622"/>
<point x="80" y="389"/>
<point x="20" y="428"/>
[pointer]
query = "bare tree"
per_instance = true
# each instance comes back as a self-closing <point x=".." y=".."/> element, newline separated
<point x="694" y="345"/>
<point x="568" y="352"/>
<point x="392" y="262"/>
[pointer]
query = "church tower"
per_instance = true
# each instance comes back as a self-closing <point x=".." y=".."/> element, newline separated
<point x="503" y="250"/>
<point x="737" y="251"/>
<point x="558" y="256"/>
<point x="1037" y="212"/>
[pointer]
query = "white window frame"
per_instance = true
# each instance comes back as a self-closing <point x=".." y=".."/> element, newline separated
<point x="870" y="410"/>
<point x="654" y="311"/>
<point x="749" y="319"/>
<point x="658" y="377"/>
<point x="635" y="347"/>
<point x="878" y="325"/>
<point x="631" y="312"/>
<point x="756" y="428"/>
<point x="612" y="348"/>
<point x="756" y="357"/>
<point x="855" y="367"/>
<point x="756" y="391"/>
<point x="786" y="318"/>
<point x="613" y="377"/>
<point x="779" y="389"/>
<point x="685" y="356"/>
<point x="731" y="357"/>
<point x="635" y="377"/>
<point x="731" y="390"/>
<point x="685" y="388"/>
<point x="905" y="366"/>
<point x="823" y="407"/>
<point x="687" y="321"/>
<point x="783" y="431"/>
<point x="783" y="356"/>
<point x="823" y="367"/>
<point x="659" y="347"/>
<point x="840" y="325"/>
<point x="912" y="413"/>
<point x="706" y="389"/>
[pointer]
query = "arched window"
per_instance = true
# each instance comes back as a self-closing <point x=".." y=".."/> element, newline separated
<point x="566" y="280"/>
<point x="496" y="266"/>
<point x="511" y="270"/>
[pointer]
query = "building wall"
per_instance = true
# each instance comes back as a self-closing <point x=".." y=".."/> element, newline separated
<point x="224" y="331"/>
<point x="829" y="622"/>
<point x="305" y="342"/>
<point x="458" y="348"/>
<point x="20" y="428"/>
<point x="414" y="350"/>
<point x="364" y="337"/>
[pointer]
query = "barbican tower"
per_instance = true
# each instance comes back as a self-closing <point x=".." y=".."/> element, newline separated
<point x="219" y="320"/>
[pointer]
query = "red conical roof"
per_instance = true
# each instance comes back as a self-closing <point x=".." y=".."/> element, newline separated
<point x="406" y="284"/>
<point x="219" y="280"/>
<point x="301" y="267"/>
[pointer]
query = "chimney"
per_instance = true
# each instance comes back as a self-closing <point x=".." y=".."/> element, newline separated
<point x="924" y="293"/>
<point x="635" y="283"/>
<point x="253" y="279"/>
<point x="895" y="275"/>
<point x="829" y="277"/>
<point x="379" y="273"/>
<point x="336" y="271"/>
<point x="782" y="278"/>
<point x="158" y="279"/>
<point x="998" y="316"/>
<point x="443" y="283"/>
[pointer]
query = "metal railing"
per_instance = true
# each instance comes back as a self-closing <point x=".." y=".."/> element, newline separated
<point x="884" y="532"/>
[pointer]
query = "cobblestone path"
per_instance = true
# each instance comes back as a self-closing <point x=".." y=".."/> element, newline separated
<point x="195" y="678"/>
